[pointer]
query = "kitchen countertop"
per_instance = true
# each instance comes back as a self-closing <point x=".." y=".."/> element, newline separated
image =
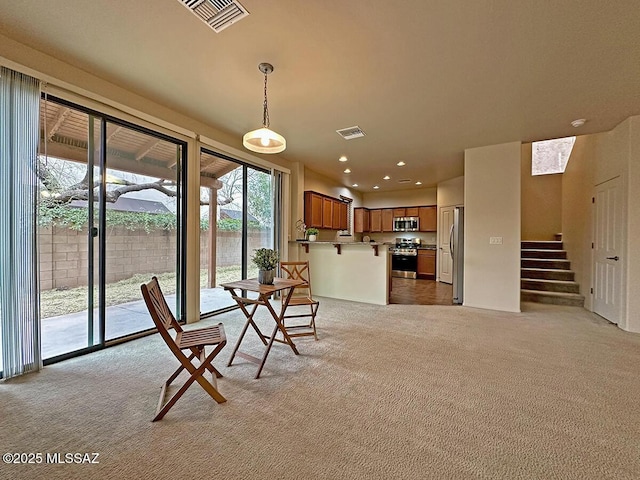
<point x="338" y="242"/>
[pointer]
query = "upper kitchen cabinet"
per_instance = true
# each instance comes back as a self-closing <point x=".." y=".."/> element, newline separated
<point x="412" y="212"/>
<point x="313" y="209"/>
<point x="375" y="224"/>
<point x="327" y="212"/>
<point x="428" y="219"/>
<point x="339" y="215"/>
<point x="321" y="211"/>
<point x="361" y="220"/>
<point x="387" y="219"/>
<point x="343" y="208"/>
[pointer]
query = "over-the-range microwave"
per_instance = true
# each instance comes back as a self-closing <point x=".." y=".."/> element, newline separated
<point x="406" y="224"/>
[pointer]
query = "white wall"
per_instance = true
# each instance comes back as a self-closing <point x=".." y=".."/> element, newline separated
<point x="577" y="190"/>
<point x="541" y="201"/>
<point x="492" y="209"/>
<point x="451" y="192"/>
<point x="401" y="198"/>
<point x="632" y="255"/>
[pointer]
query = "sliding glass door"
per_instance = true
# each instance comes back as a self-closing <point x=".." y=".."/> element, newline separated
<point x="110" y="218"/>
<point x="236" y="218"/>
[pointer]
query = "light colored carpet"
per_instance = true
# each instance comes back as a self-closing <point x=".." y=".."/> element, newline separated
<point x="396" y="392"/>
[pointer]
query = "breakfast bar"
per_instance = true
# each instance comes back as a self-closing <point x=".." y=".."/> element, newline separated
<point x="356" y="271"/>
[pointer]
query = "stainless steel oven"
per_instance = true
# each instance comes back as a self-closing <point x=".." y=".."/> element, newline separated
<point x="404" y="261"/>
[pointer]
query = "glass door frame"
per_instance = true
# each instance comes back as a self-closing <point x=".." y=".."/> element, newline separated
<point x="181" y="216"/>
<point x="245" y="200"/>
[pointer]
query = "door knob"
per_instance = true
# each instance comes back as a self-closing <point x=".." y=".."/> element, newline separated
<point x="616" y="258"/>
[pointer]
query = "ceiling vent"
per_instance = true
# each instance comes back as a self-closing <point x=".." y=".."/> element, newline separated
<point x="351" y="132"/>
<point x="404" y="180"/>
<point x="218" y="14"/>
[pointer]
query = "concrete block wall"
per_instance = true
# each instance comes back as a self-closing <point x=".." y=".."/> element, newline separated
<point x="64" y="253"/>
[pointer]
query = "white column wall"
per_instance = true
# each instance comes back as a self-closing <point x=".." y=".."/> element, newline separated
<point x="492" y="209"/>
<point x="632" y="320"/>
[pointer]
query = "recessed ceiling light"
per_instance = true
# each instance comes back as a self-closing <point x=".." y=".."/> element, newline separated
<point x="401" y="164"/>
<point x="347" y="170"/>
<point x="343" y="158"/>
<point x="354" y="185"/>
<point x="418" y="183"/>
<point x="375" y="187"/>
<point x="578" y="123"/>
<point x="386" y="177"/>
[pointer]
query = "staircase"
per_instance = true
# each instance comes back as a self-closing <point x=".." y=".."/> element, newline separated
<point x="546" y="275"/>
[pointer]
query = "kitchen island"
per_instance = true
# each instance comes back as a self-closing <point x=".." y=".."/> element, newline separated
<point x="356" y="271"/>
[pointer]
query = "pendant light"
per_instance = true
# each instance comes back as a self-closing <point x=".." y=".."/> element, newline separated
<point x="264" y="140"/>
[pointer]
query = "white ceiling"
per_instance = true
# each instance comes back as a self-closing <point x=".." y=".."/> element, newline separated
<point x="424" y="79"/>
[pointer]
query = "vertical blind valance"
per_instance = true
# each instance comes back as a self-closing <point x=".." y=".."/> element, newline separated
<point x="19" y="298"/>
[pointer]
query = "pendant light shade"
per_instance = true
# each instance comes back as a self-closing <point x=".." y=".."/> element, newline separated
<point x="264" y="140"/>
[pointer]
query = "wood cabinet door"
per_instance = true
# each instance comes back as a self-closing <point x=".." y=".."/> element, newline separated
<point x="376" y="220"/>
<point x="387" y="219"/>
<point x="358" y="220"/>
<point x="366" y="220"/>
<point x="427" y="263"/>
<point x="412" y="212"/>
<point x="428" y="219"/>
<point x="312" y="210"/>
<point x="399" y="212"/>
<point x="335" y="219"/>
<point x="344" y="216"/>
<point x="327" y="213"/>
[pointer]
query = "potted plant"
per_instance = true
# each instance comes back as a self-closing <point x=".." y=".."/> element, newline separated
<point x="266" y="259"/>
<point x="312" y="234"/>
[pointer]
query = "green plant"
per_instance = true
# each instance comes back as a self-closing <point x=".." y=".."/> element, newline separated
<point x="312" y="231"/>
<point x="265" y="258"/>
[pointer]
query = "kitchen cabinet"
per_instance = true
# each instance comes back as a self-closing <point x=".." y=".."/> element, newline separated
<point x="387" y="219"/>
<point x="335" y="215"/>
<point x="327" y="212"/>
<point x="343" y="207"/>
<point x="322" y="211"/>
<point x="339" y="215"/>
<point x="398" y="212"/>
<point x="313" y="209"/>
<point x="375" y="217"/>
<point x="361" y="220"/>
<point x="428" y="219"/>
<point x="412" y="212"/>
<point x="426" y="264"/>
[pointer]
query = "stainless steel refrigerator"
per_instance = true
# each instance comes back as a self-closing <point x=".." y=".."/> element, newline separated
<point x="456" y="245"/>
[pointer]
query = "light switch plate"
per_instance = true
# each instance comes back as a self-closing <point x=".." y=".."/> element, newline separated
<point x="495" y="240"/>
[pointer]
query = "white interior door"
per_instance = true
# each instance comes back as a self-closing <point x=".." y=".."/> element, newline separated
<point x="607" y="248"/>
<point x="445" y="261"/>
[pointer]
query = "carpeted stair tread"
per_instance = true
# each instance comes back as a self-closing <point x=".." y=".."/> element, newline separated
<point x="547" y="274"/>
<point x="550" y="285"/>
<point x="555" y="298"/>
<point x="545" y="263"/>
<point x="539" y="253"/>
<point x="541" y="244"/>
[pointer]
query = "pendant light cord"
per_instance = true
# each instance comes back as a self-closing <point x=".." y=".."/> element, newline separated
<point x="265" y="107"/>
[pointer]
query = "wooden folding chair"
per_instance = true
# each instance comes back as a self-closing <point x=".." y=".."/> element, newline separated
<point x="301" y="297"/>
<point x="193" y="341"/>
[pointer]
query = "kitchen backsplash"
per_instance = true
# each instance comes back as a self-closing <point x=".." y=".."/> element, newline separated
<point x="427" y="238"/>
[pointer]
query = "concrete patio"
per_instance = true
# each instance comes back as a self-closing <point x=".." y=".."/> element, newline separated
<point x="68" y="333"/>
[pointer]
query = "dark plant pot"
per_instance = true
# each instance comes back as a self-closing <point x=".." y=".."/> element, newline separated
<point x="266" y="277"/>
